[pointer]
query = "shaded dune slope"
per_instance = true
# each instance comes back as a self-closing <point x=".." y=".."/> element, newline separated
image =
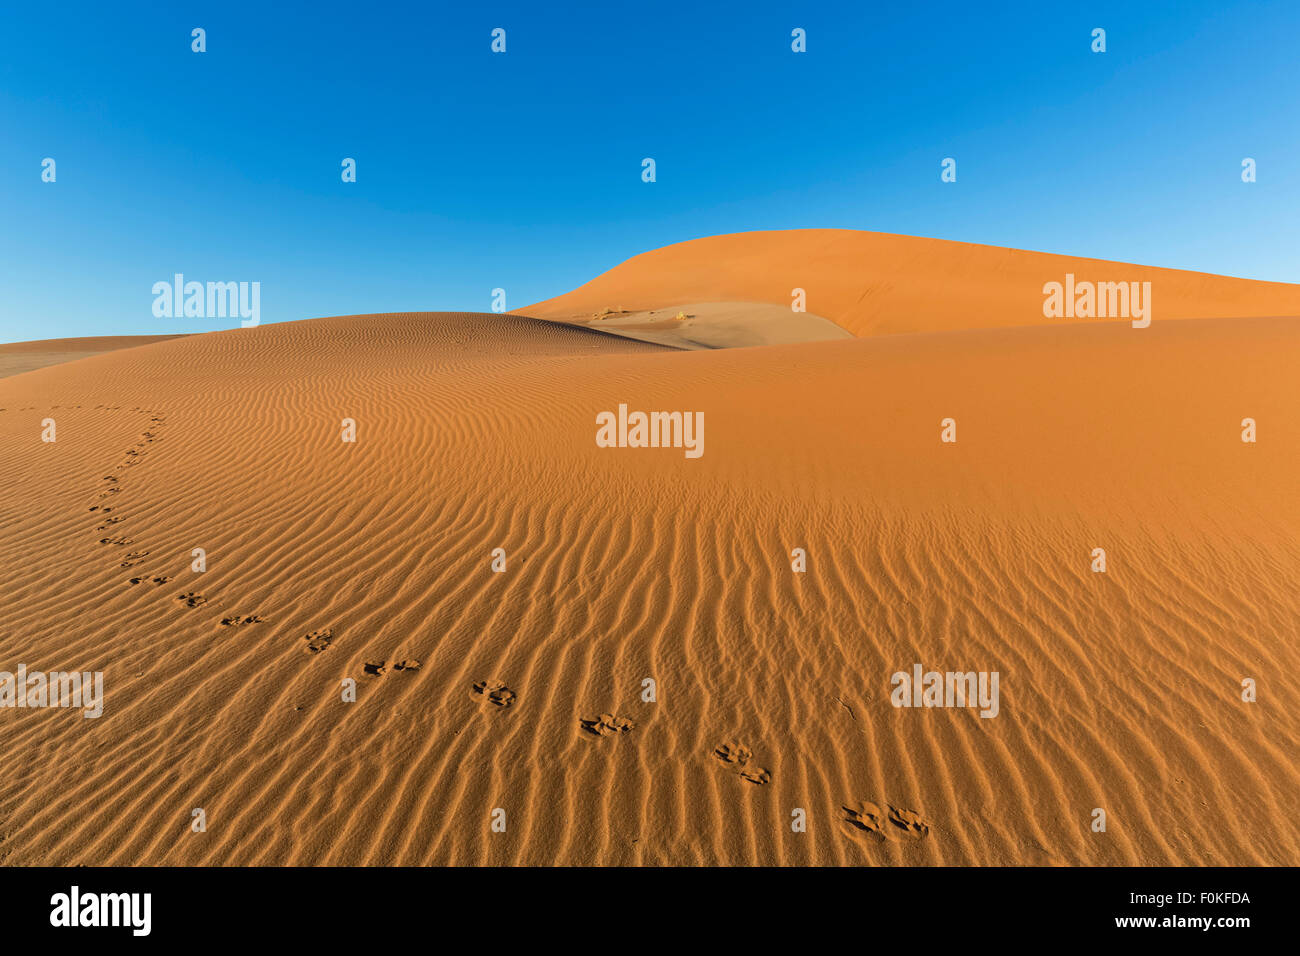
<point x="1119" y="690"/>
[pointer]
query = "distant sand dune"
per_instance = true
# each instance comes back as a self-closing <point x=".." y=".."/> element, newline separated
<point x="373" y="561"/>
<point x="874" y="283"/>
<point x="716" y="325"/>
<point x="17" y="357"/>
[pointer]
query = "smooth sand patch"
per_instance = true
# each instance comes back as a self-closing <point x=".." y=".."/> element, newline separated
<point x="874" y="283"/>
<point x="714" y="325"/>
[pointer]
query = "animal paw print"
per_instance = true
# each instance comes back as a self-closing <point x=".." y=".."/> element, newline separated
<point x="236" y="621"/>
<point x="886" y="822"/>
<point x="733" y="754"/>
<point x="496" y="692"/>
<point x="317" y="641"/>
<point x="737" y="757"/>
<point x="378" y="668"/>
<point x="117" y="541"/>
<point x="191" y="599"/>
<point x="606" y="725"/>
<point x="161" y="579"/>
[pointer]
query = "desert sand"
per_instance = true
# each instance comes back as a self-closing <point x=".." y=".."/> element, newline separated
<point x="875" y="283"/>
<point x="522" y="690"/>
<point x="706" y="325"/>
<point x="18" y="357"/>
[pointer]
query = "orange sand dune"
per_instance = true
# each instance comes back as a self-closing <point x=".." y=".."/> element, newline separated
<point x="16" y="357"/>
<point x="523" y="691"/>
<point x="873" y="283"/>
<point x="717" y="325"/>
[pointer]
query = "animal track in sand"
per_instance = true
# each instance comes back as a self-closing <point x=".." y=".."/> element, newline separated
<point x="133" y="457"/>
<point x="236" y="621"/>
<point x="605" y="725"/>
<point x="496" y="692"/>
<point x="737" y="757"/>
<point x="887" y="822"/>
<point x="378" y="668"/>
<point x="733" y="754"/>
<point x="190" y="599"/>
<point x="317" y="641"/>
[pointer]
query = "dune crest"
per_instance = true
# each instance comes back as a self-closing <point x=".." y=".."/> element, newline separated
<point x="872" y="283"/>
<point x="18" y="357"/>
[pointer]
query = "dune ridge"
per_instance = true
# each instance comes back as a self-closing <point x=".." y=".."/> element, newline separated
<point x="18" y="357"/>
<point x="373" y="561"/>
<point x="874" y="283"/>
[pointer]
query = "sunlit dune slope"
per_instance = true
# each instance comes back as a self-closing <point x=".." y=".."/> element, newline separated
<point x="373" y="561"/>
<point x="873" y="283"/>
<point x="16" y="357"/>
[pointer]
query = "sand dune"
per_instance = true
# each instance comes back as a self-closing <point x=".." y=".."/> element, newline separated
<point x="715" y="325"/>
<point x="873" y="283"/>
<point x="17" y="357"/>
<point x="522" y="691"/>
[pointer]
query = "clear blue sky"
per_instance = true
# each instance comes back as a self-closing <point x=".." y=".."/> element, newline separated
<point x="523" y="171"/>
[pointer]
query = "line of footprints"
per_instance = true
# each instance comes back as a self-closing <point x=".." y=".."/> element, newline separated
<point x="874" y="821"/>
<point x="865" y="817"/>
<point x="108" y="501"/>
